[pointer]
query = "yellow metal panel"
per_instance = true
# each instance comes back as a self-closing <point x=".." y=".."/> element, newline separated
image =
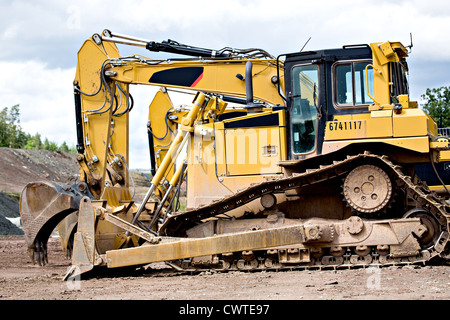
<point x="381" y="114"/>
<point x="419" y="144"/>
<point x="203" y="186"/>
<point x="387" y="49"/>
<point x="347" y="117"/>
<point x="283" y="143"/>
<point x="207" y="188"/>
<point x="207" y="178"/>
<point x="403" y="99"/>
<point x="281" y="118"/>
<point x="160" y="104"/>
<point x="203" y="161"/>
<point x="209" y="156"/>
<point x="432" y="126"/>
<point x="219" y="126"/>
<point x="252" y="150"/>
<point x="115" y="195"/>
<point x="410" y="123"/>
<point x="440" y="188"/>
<point x="219" y="140"/>
<point x="359" y="129"/>
<point x="379" y="127"/>
<point x="381" y="75"/>
<point x="444" y="155"/>
<point x="441" y="143"/>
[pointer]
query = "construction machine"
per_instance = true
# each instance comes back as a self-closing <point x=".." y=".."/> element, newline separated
<point x="306" y="160"/>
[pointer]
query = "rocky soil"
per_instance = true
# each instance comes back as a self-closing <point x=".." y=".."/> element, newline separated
<point x="19" y="167"/>
<point x="20" y="279"/>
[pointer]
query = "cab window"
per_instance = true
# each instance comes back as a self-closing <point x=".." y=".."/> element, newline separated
<point x="350" y="85"/>
<point x="398" y="75"/>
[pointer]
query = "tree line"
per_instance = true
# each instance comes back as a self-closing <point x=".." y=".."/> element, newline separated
<point x="12" y="135"/>
<point x="437" y="105"/>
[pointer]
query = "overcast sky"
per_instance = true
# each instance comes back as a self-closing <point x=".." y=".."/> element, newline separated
<point x="39" y="41"/>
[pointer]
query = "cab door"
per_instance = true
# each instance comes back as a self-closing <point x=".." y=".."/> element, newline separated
<point x="304" y="109"/>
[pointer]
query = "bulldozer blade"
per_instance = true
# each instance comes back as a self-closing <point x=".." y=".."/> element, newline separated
<point x="43" y="206"/>
<point x="84" y="255"/>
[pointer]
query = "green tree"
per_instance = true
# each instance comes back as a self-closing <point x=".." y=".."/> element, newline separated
<point x="49" y="145"/>
<point x="52" y="146"/>
<point x="14" y="127"/>
<point x="46" y="145"/>
<point x="64" y="147"/>
<point x="22" y="139"/>
<point x="437" y="105"/>
<point x="3" y="127"/>
<point x="73" y="149"/>
<point x="34" y="142"/>
<point x="30" y="144"/>
<point x="37" y="141"/>
<point x="11" y="134"/>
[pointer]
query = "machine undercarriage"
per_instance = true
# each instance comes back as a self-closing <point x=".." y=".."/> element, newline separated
<point x="417" y="219"/>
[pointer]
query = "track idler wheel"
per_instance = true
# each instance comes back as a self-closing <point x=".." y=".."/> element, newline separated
<point x="434" y="229"/>
<point x="367" y="189"/>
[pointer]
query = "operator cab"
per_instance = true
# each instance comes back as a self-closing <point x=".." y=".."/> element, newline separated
<point x="323" y="84"/>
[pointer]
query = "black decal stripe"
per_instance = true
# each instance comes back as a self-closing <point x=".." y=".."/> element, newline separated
<point x="184" y="77"/>
<point x="262" y="121"/>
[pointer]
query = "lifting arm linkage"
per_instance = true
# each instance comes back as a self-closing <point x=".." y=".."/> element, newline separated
<point x="102" y="81"/>
<point x="175" y="148"/>
<point x="221" y="73"/>
<point x="172" y="46"/>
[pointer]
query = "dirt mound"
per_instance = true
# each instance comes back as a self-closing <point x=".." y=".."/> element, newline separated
<point x="18" y="167"/>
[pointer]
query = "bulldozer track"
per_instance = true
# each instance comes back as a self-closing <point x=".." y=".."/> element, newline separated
<point x="418" y="196"/>
<point x="346" y="261"/>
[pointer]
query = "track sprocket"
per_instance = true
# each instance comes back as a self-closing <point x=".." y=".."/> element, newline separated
<point x="367" y="189"/>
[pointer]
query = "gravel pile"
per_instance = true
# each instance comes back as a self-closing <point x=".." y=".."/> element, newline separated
<point x="9" y="208"/>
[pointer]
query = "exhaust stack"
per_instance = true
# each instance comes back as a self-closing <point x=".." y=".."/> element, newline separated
<point x="251" y="105"/>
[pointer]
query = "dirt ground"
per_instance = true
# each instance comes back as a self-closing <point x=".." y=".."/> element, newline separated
<point x="21" y="280"/>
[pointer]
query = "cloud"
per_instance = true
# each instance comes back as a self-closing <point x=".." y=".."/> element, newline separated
<point x="55" y="30"/>
<point x="44" y="95"/>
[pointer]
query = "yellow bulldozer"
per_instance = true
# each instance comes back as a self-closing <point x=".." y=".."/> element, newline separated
<point x="305" y="160"/>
